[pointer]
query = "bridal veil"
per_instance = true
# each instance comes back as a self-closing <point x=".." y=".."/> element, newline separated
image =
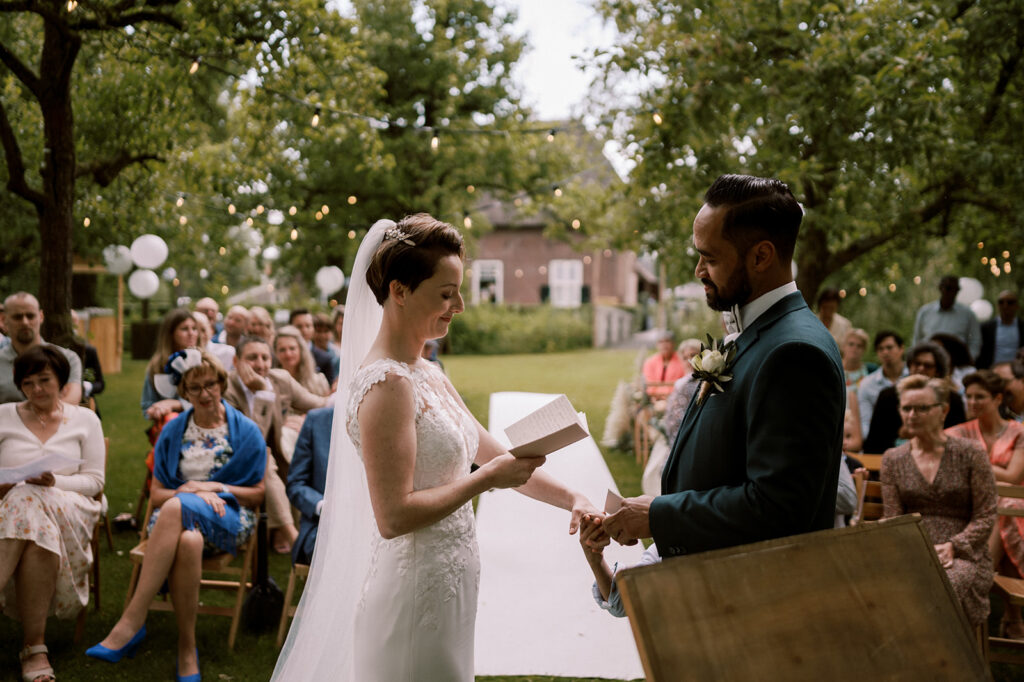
<point x="320" y="642"/>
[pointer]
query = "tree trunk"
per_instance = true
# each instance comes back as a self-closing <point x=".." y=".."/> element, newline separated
<point x="56" y="214"/>
<point x="812" y="258"/>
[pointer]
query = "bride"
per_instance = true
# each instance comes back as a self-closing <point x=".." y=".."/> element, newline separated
<point x="392" y="590"/>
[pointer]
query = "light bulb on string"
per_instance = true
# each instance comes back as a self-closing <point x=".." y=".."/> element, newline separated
<point x="248" y="221"/>
<point x="193" y="67"/>
<point x="292" y="210"/>
<point x="260" y="209"/>
<point x="295" y="234"/>
<point x="981" y="245"/>
<point x="182" y="220"/>
<point x="86" y="222"/>
<point x="435" y="142"/>
<point x="325" y="209"/>
<point x="319" y="215"/>
<point x="224" y="290"/>
<point x="72" y="4"/>
<point x="576" y="223"/>
<point x="1006" y="254"/>
<point x="842" y="293"/>
<point x="351" y="234"/>
<point x="470" y="189"/>
<point x="551" y="135"/>
<point x="558" y="191"/>
<point x="1007" y="267"/>
<point x="917" y="279"/>
<point x="352" y="200"/>
<point x="658" y="120"/>
<point x="467" y="222"/>
<point x="316" y="117"/>
<point x="231" y="209"/>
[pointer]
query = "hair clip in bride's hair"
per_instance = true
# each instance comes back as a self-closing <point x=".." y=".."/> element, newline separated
<point x="399" y="236"/>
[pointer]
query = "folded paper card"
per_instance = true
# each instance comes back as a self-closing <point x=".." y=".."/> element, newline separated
<point x="612" y="502"/>
<point x="549" y="428"/>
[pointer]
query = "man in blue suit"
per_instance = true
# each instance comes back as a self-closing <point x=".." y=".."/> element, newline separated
<point x="759" y="458"/>
<point x="307" y="478"/>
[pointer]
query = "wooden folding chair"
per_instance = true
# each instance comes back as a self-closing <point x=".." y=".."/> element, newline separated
<point x="869" y="499"/>
<point x="298" y="571"/>
<point x="94" y="585"/>
<point x="218" y="565"/>
<point x="1010" y="589"/>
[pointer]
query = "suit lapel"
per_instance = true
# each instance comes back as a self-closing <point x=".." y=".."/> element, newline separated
<point x="748" y="338"/>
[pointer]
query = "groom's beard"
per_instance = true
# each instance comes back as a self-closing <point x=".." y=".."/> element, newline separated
<point x="737" y="291"/>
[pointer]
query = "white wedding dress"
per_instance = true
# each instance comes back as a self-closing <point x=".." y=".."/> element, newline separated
<point x="416" y="614"/>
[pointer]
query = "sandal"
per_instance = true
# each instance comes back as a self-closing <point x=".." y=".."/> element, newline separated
<point x="34" y="675"/>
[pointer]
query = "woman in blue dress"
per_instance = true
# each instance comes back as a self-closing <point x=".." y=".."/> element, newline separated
<point x="207" y="480"/>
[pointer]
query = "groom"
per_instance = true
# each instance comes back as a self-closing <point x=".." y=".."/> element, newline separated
<point x="760" y="458"/>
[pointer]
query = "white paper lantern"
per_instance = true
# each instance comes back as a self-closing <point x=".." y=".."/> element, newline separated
<point x="118" y="259"/>
<point x="169" y="274"/>
<point x="149" y="251"/>
<point x="982" y="309"/>
<point x="271" y="253"/>
<point x="970" y="291"/>
<point x="143" y="283"/>
<point x="329" y="279"/>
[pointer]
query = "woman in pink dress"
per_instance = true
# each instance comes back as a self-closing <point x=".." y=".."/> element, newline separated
<point x="1003" y="440"/>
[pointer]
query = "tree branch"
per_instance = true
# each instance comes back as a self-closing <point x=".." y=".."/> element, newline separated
<point x="19" y="69"/>
<point x="104" y="172"/>
<point x="17" y="6"/>
<point x="128" y="19"/>
<point x="16" y="182"/>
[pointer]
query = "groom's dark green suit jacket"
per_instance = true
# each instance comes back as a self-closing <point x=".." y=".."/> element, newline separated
<point x="760" y="460"/>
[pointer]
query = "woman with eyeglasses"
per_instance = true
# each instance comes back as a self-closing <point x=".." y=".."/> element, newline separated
<point x="948" y="481"/>
<point x="207" y="482"/>
<point x="1004" y="442"/>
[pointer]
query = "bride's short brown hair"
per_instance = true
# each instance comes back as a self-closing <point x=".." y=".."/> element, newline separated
<point x="410" y="252"/>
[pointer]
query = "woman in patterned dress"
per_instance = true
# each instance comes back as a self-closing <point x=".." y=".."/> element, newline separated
<point x="207" y="480"/>
<point x="947" y="481"/>
<point x="46" y="522"/>
<point x="1004" y="441"/>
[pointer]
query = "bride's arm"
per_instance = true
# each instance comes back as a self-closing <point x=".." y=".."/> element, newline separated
<point x="387" y="424"/>
<point x="541" y="486"/>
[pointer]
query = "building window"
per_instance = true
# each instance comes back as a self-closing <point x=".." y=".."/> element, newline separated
<point x="488" y="281"/>
<point x="565" y="278"/>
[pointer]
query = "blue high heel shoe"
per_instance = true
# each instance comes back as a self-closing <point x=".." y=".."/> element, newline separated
<point x="187" y="678"/>
<point x="114" y="655"/>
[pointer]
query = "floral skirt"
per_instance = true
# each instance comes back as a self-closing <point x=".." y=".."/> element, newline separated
<point x="58" y="521"/>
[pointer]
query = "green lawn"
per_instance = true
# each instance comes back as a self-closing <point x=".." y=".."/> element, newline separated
<point x="587" y="377"/>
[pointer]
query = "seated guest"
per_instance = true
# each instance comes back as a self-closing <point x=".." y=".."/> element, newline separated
<point x="160" y="399"/>
<point x="266" y="395"/>
<point x="1003" y="335"/>
<point x="24" y="320"/>
<point x="302" y="320"/>
<point x="337" y="321"/>
<point x="261" y="324"/>
<point x="92" y="372"/>
<point x="662" y="369"/>
<point x="852" y="349"/>
<point x="293" y="355"/>
<point x="308" y="477"/>
<point x="828" y="312"/>
<point x="1004" y="442"/>
<point x="322" y="341"/>
<point x="947" y="481"/>
<point x="47" y="521"/>
<point x="207" y="481"/>
<point x="675" y="407"/>
<point x="960" y="361"/>
<point x="889" y="350"/>
<point x="224" y="353"/>
<point x="930" y="360"/>
<point x="210" y="309"/>
<point x="236" y="325"/>
<point x="1013" y="399"/>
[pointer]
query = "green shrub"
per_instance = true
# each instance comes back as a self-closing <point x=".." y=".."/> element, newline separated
<point x="498" y="329"/>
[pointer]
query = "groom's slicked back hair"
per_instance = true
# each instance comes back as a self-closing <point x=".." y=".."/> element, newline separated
<point x="757" y="209"/>
<point x="412" y="263"/>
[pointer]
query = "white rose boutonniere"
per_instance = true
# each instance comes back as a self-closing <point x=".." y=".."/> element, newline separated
<point x="712" y="365"/>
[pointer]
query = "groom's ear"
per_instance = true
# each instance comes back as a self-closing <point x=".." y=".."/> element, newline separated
<point x="761" y="256"/>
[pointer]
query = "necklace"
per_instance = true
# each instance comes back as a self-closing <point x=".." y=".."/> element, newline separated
<point x="39" y="418"/>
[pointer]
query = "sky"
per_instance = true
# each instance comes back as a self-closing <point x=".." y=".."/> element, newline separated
<point x="556" y="31"/>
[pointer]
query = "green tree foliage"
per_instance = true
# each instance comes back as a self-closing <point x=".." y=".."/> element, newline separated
<point x="896" y="123"/>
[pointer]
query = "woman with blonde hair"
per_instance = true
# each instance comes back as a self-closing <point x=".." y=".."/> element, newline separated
<point x="854" y="345"/>
<point x="291" y="350"/>
<point x="178" y="331"/>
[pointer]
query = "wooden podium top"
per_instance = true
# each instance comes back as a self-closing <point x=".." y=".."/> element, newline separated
<point x="862" y="603"/>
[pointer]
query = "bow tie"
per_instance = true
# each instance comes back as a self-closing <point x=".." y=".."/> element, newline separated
<point x="733" y="321"/>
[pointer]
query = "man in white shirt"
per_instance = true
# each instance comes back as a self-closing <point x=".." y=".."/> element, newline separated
<point x="889" y="349"/>
<point x="235" y="325"/>
<point x="24" y="320"/>
<point x="947" y="316"/>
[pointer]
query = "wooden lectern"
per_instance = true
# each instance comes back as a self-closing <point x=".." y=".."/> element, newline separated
<point x="863" y="603"/>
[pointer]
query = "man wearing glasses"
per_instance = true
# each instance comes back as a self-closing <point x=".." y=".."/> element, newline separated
<point x="1003" y="335"/>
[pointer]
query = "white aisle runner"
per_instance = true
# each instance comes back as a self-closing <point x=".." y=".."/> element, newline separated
<point x="536" y="614"/>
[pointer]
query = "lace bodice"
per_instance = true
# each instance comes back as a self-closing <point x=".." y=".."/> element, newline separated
<point x="446" y="437"/>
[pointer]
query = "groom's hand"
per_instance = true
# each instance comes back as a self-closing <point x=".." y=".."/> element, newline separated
<point x="631" y="522"/>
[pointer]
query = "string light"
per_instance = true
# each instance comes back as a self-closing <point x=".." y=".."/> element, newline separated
<point x="222" y="250"/>
<point x="467" y="222"/>
<point x="1006" y="267"/>
<point x="176" y="282"/>
<point x="231" y="209"/>
<point x="180" y="202"/>
<point x="193" y="67"/>
<point x="352" y="200"/>
<point x="558" y="191"/>
<point x="182" y="220"/>
<point x="248" y="221"/>
<point x="470" y="188"/>
<point x="435" y="142"/>
<point x="892" y="286"/>
<point x="295" y="234"/>
<point x="1006" y="254"/>
<point x="587" y="260"/>
<point x="292" y="210"/>
<point x="72" y="4"/>
<point x="224" y="289"/>
<point x="551" y="135"/>
<point x="260" y="209"/>
<point x="917" y="279"/>
<point x="863" y="291"/>
<point x="351" y="234"/>
<point x="842" y="293"/>
<point x="984" y="260"/>
<point x="319" y="215"/>
<point x="316" y="117"/>
<point x="519" y="273"/>
<point x="86" y="222"/>
<point x="981" y="245"/>
<point x="658" y="120"/>
<point x="576" y="223"/>
<point x="325" y="209"/>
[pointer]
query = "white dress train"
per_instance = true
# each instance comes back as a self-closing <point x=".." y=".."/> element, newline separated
<point x="417" y="611"/>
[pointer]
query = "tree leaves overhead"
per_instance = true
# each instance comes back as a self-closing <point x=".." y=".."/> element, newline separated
<point x="893" y="122"/>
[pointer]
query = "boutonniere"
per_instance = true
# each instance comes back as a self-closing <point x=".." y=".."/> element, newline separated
<point x="712" y="365"/>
